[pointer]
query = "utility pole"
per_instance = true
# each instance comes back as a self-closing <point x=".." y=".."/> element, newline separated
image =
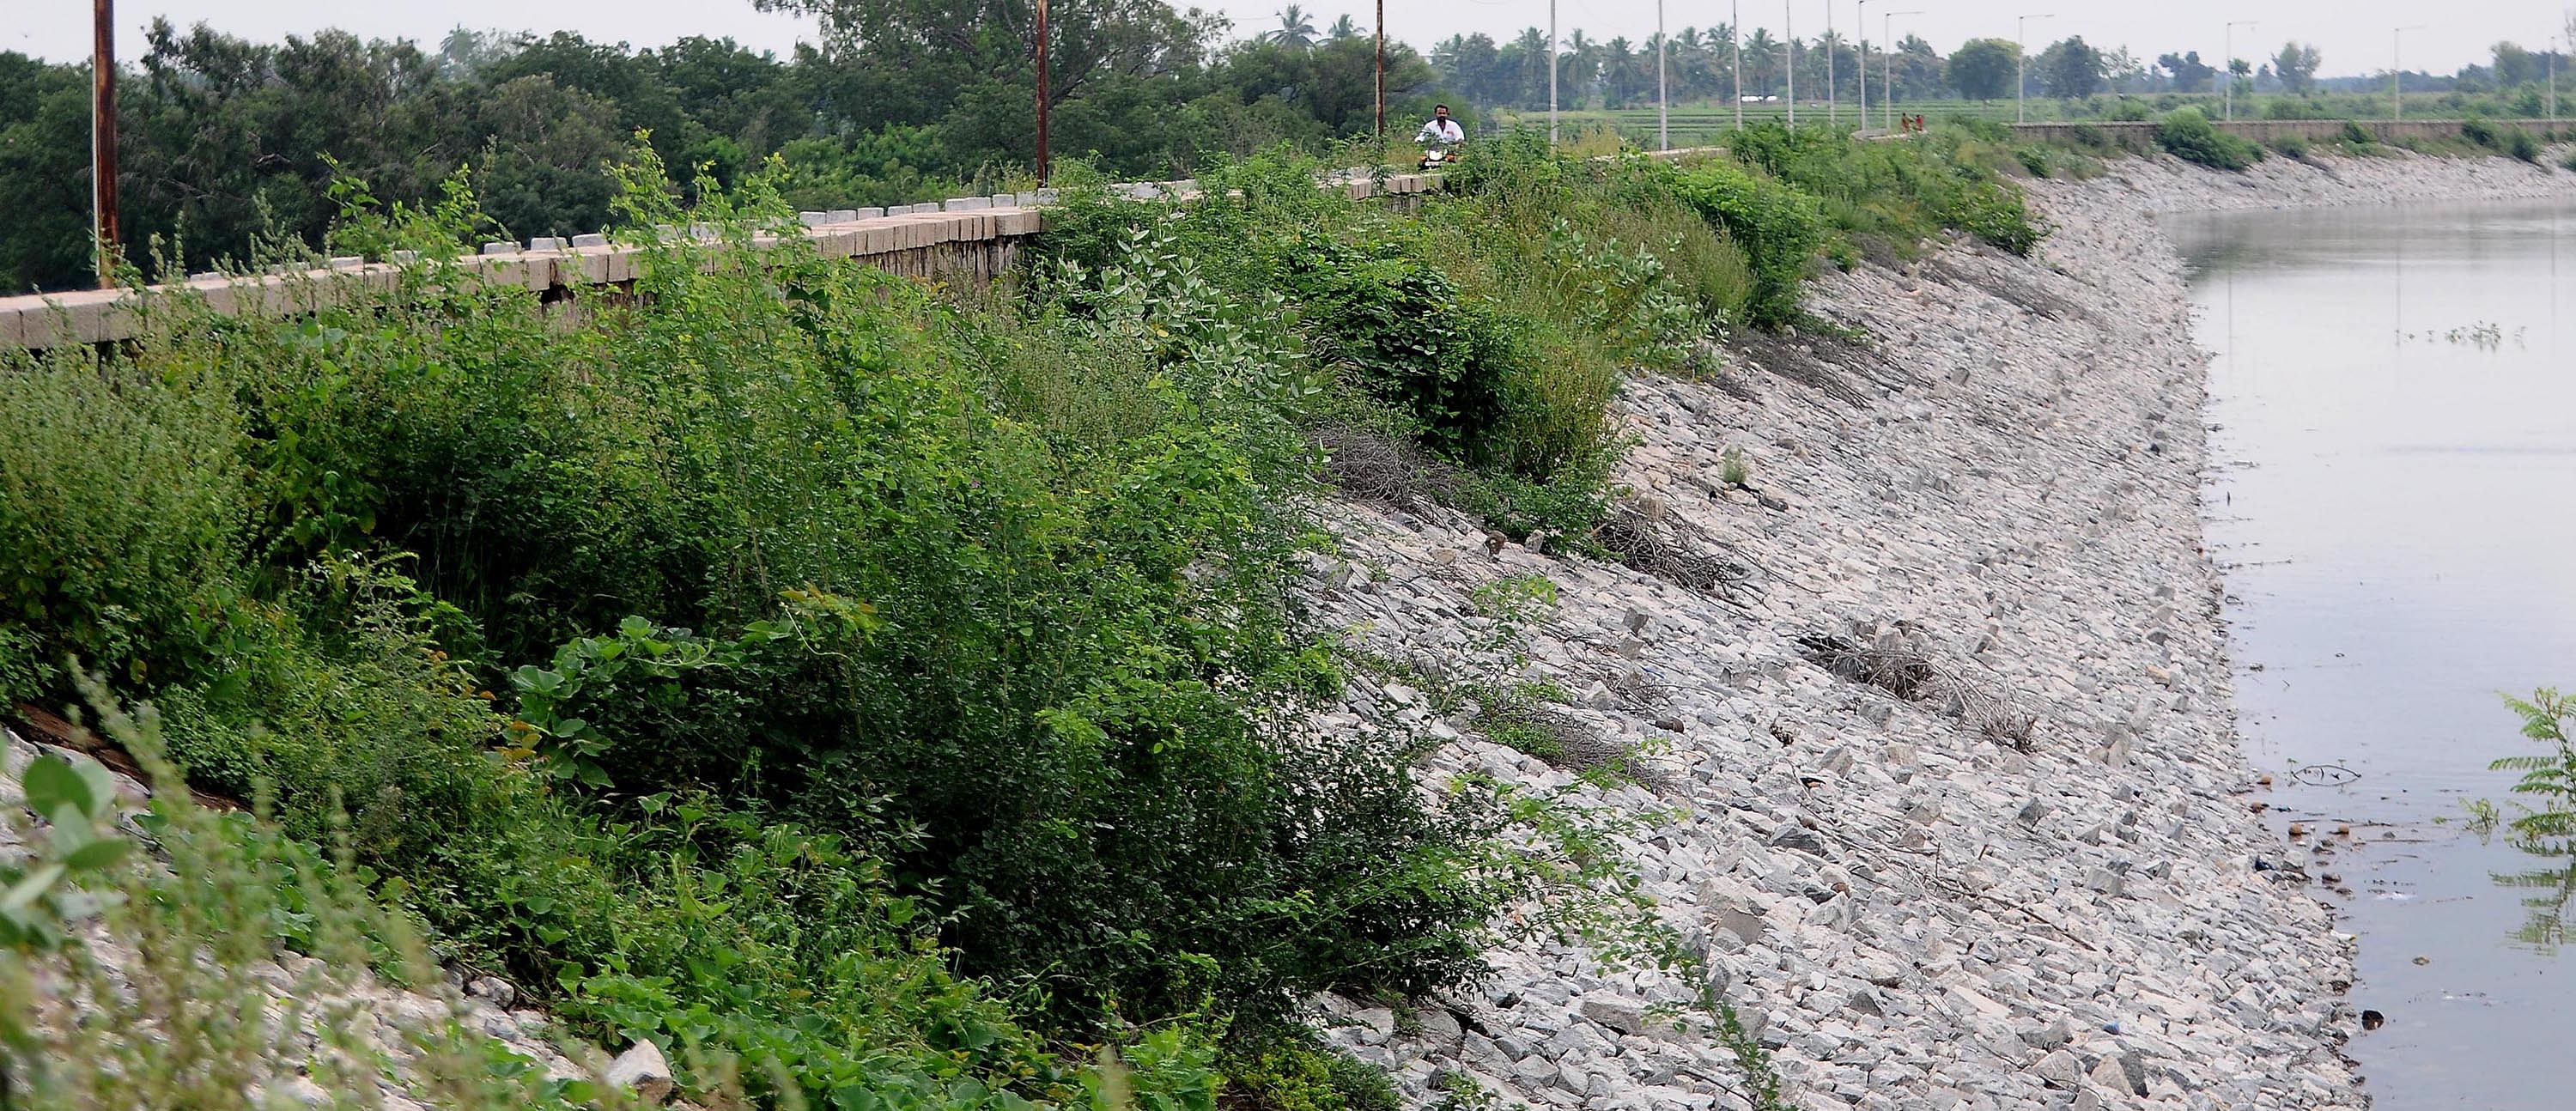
<point x="1887" y="59"/>
<point x="102" y="137"/>
<point x="1381" y="70"/>
<point x="2021" y="64"/>
<point x="1042" y="93"/>
<point x="2553" y="82"/>
<point x="1663" y="111"/>
<point x="2227" y="108"/>
<point x="1833" y="112"/>
<point x="1735" y="39"/>
<point x="2396" y="70"/>
<point x="1789" y="51"/>
<point x="1551" y="72"/>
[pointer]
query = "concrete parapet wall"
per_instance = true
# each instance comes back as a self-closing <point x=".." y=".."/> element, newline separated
<point x="2140" y="136"/>
<point x="969" y="239"/>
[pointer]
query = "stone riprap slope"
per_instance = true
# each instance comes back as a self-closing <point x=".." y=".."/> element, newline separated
<point x="1915" y="914"/>
<point x="2168" y="184"/>
<point x="330" y="1022"/>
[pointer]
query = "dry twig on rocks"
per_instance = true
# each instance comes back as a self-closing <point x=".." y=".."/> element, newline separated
<point x="1900" y="660"/>
<point x="1673" y="549"/>
<point x="1386" y="471"/>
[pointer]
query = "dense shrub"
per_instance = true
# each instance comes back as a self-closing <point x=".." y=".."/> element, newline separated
<point x="2501" y="138"/>
<point x="1782" y="228"/>
<point x="2290" y="146"/>
<point x="143" y="582"/>
<point x="1902" y="193"/>
<point x="728" y="662"/>
<point x="2188" y="135"/>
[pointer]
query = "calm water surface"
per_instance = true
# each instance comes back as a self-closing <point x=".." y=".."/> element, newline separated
<point x="2393" y="490"/>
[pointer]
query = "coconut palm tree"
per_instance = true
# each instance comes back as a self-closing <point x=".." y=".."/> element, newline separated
<point x="1761" y="67"/>
<point x="1344" y="28"/>
<point x="1295" y="29"/>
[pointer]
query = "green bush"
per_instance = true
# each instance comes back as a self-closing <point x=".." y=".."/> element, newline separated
<point x="1292" y="1070"/>
<point x="771" y="661"/>
<point x="2356" y="134"/>
<point x="123" y="510"/>
<point x="1781" y="228"/>
<point x="2290" y="146"/>
<point x="2188" y="135"/>
<point x="1903" y="193"/>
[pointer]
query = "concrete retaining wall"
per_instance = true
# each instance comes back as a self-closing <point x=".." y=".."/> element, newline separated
<point x="970" y="239"/>
<point x="2140" y="136"/>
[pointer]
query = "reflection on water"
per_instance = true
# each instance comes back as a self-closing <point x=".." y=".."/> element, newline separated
<point x="2393" y="510"/>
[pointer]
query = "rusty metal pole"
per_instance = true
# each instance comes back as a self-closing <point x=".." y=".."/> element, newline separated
<point x="1381" y="70"/>
<point x="1042" y="92"/>
<point x="102" y="137"/>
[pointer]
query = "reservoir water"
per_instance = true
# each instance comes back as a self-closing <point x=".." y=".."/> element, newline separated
<point x="2393" y="497"/>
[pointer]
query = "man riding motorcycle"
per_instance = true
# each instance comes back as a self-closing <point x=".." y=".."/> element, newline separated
<point x="1440" y="138"/>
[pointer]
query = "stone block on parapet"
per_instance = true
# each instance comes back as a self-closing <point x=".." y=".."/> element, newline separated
<point x="857" y="214"/>
<point x="347" y="262"/>
<point x="1019" y="221"/>
<point x="1024" y="199"/>
<point x="1004" y="200"/>
<point x="215" y="289"/>
<point x="813" y="219"/>
<point x="545" y="243"/>
<point x="402" y="258"/>
<point x="500" y="248"/>
<point x="966" y="204"/>
<point x="594" y="239"/>
<point x="1049" y="195"/>
<point x="618" y="265"/>
<point x="79" y="316"/>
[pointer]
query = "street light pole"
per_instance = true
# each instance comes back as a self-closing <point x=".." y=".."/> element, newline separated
<point x="2021" y="54"/>
<point x="102" y="136"/>
<point x="2227" y="107"/>
<point x="1789" y="52"/>
<point x="2396" y="70"/>
<point x="1887" y="61"/>
<point x="1863" y="28"/>
<point x="1735" y="40"/>
<point x="1663" y="103"/>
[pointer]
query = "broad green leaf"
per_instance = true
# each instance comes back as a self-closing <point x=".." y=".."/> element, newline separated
<point x="98" y="854"/>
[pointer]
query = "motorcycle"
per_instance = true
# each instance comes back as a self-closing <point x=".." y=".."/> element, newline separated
<point x="1437" y="158"/>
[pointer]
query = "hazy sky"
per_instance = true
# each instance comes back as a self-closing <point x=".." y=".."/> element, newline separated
<point x="2352" y="34"/>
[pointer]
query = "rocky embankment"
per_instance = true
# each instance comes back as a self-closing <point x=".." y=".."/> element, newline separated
<point x="1986" y="519"/>
<point x="1928" y="706"/>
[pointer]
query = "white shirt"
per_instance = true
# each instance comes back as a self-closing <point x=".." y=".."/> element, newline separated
<point x="1441" y="131"/>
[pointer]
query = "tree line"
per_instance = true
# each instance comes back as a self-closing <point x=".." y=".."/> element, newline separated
<point x="229" y="148"/>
